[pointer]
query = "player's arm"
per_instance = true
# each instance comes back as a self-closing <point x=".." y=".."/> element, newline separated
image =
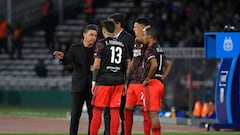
<point x="167" y="67"/>
<point x="152" y="70"/>
<point x="127" y="74"/>
<point x="129" y="67"/>
<point x="95" y="67"/>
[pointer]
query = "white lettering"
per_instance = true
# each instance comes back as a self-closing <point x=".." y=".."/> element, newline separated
<point x="113" y="69"/>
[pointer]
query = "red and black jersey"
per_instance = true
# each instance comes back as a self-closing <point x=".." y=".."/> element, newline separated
<point x="138" y="65"/>
<point x="155" y="51"/>
<point x="114" y="55"/>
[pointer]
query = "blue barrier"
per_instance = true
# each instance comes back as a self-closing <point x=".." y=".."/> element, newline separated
<point x="226" y="45"/>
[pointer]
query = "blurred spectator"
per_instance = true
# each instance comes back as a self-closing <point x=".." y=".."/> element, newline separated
<point x="132" y="15"/>
<point x="49" y="22"/>
<point x="211" y="111"/>
<point x="4" y="27"/>
<point x="183" y="23"/>
<point x="47" y="6"/>
<point x="205" y="110"/>
<point x="89" y="10"/>
<point x="41" y="69"/>
<point x="197" y="109"/>
<point x="17" y="41"/>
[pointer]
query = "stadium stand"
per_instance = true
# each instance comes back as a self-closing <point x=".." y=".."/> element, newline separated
<point x="176" y="29"/>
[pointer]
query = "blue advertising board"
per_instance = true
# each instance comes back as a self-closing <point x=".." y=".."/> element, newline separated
<point x="226" y="45"/>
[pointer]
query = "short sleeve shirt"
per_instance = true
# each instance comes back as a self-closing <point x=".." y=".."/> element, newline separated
<point x="113" y="55"/>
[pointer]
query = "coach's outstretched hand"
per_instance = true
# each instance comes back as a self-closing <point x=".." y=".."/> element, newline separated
<point x="58" y="54"/>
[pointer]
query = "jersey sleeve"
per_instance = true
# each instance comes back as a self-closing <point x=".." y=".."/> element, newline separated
<point x="69" y="56"/>
<point x="99" y="49"/>
<point x="150" y="53"/>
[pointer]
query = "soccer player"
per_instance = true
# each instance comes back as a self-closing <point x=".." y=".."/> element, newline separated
<point x="80" y="55"/>
<point x="111" y="57"/>
<point x="156" y="69"/>
<point x="135" y="91"/>
<point x="128" y="41"/>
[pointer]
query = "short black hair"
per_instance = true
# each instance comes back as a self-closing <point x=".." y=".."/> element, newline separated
<point x="118" y="18"/>
<point x="144" y="21"/>
<point x="152" y="32"/>
<point x="109" y="25"/>
<point x="90" y="27"/>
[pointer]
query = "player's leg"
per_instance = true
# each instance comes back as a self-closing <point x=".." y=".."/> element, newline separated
<point x="131" y="100"/>
<point x="115" y="102"/>
<point x="156" y="128"/>
<point x="140" y="92"/>
<point x="115" y="121"/>
<point x="154" y="93"/>
<point x="100" y="100"/>
<point x="96" y="120"/>
<point x="146" y="121"/>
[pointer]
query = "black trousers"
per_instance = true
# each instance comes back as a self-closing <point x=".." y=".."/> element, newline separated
<point x="78" y="100"/>
<point x="107" y="117"/>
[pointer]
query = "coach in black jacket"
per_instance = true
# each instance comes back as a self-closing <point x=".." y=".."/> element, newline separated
<point x="80" y="55"/>
<point x="128" y="40"/>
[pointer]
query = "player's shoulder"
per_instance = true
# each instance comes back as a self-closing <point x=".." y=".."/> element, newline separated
<point x="101" y="40"/>
<point x="158" y="47"/>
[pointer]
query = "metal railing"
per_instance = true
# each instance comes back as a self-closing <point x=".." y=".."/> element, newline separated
<point x="184" y="52"/>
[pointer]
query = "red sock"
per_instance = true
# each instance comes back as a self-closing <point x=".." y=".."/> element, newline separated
<point x="96" y="121"/>
<point x="156" y="130"/>
<point x="128" y="121"/>
<point x="146" y="123"/>
<point x="115" y="121"/>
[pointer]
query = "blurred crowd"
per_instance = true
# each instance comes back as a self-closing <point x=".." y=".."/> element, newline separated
<point x="179" y="23"/>
<point x="183" y="23"/>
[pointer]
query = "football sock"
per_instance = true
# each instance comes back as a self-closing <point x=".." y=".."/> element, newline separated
<point x="96" y="121"/>
<point x="115" y="121"/>
<point x="156" y="130"/>
<point x="146" y="123"/>
<point x="128" y="121"/>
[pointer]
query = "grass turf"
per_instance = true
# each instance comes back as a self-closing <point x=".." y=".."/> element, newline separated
<point x="35" y="111"/>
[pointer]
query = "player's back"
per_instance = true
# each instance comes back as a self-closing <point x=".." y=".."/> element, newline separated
<point x="113" y="54"/>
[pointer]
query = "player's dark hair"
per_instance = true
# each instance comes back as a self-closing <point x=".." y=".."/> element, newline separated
<point x="109" y="25"/>
<point x="144" y="21"/>
<point x="118" y="18"/>
<point x="90" y="27"/>
<point x="152" y="32"/>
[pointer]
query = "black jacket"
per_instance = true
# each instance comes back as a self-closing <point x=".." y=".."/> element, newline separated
<point x="81" y="58"/>
<point x="127" y="40"/>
